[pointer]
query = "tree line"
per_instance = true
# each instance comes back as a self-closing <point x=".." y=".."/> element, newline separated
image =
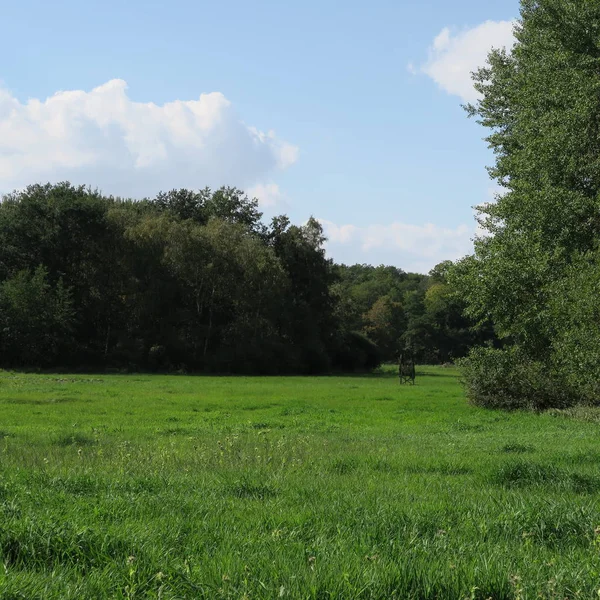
<point x="196" y="281"/>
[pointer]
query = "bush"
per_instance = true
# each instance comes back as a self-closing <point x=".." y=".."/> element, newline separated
<point x="356" y="352"/>
<point x="157" y="357"/>
<point x="509" y="379"/>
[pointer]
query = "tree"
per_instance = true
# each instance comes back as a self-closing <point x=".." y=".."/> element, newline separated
<point x="227" y="204"/>
<point x="65" y="229"/>
<point x="36" y="319"/>
<point x="541" y="102"/>
<point x="185" y="204"/>
<point x="417" y="338"/>
<point x="307" y="318"/>
<point x="450" y="331"/>
<point x="384" y="324"/>
<point x="231" y="283"/>
<point x="192" y="280"/>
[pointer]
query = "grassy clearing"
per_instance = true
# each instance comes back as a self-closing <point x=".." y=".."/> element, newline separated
<point x="336" y="487"/>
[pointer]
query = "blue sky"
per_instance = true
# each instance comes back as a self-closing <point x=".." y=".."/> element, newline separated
<point x="346" y="111"/>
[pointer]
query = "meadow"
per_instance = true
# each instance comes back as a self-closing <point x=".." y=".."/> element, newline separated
<point x="151" y="486"/>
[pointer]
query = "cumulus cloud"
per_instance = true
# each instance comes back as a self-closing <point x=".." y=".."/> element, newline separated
<point x="453" y="57"/>
<point x="416" y="247"/>
<point x="105" y="139"/>
<point x="268" y="195"/>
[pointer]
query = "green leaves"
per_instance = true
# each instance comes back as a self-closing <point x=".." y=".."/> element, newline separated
<point x="36" y="318"/>
<point x="190" y="280"/>
<point x="541" y="104"/>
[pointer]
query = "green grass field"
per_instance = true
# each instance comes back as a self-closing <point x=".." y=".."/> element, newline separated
<point x="139" y="486"/>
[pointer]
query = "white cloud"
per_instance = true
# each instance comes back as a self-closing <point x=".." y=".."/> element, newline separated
<point x="105" y="139"/>
<point x="452" y="58"/>
<point x="416" y="247"/>
<point x="268" y="195"/>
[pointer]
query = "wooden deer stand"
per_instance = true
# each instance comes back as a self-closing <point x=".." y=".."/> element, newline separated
<point x="406" y="368"/>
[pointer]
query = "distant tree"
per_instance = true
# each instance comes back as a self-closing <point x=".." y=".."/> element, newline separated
<point x="385" y="323"/>
<point x="65" y="229"/>
<point x="189" y="280"/>
<point x="451" y="332"/>
<point x="227" y="204"/>
<point x="36" y="319"/>
<point x="439" y="273"/>
<point x="185" y="204"/>
<point x="307" y="317"/>
<point x="417" y="336"/>
<point x="232" y="205"/>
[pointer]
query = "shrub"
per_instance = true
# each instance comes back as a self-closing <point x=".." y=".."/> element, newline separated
<point x="356" y="352"/>
<point x="509" y="379"/>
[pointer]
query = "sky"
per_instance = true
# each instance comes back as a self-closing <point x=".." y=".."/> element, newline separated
<point x="348" y="112"/>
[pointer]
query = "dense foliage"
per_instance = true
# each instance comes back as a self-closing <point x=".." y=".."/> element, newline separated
<point x="406" y="311"/>
<point x="196" y="281"/>
<point x="537" y="274"/>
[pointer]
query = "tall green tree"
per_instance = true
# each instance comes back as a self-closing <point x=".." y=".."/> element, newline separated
<point x="541" y="103"/>
<point x="65" y="229"/>
<point x="307" y="317"/>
